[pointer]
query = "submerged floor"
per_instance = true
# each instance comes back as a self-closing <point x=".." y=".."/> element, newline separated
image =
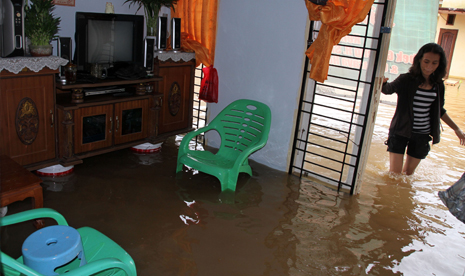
<point x="274" y="224"/>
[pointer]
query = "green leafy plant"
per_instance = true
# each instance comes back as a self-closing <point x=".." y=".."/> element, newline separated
<point x="151" y="9"/>
<point x="40" y="24"/>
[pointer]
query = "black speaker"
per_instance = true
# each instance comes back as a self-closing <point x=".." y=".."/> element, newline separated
<point x="149" y="50"/>
<point x="12" y="37"/>
<point x="176" y="33"/>
<point x="162" y="29"/>
<point x="64" y="50"/>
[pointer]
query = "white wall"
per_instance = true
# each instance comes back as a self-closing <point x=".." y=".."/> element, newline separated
<point x="68" y="13"/>
<point x="260" y="51"/>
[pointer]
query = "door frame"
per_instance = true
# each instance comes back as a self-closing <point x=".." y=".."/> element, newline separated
<point x="449" y="51"/>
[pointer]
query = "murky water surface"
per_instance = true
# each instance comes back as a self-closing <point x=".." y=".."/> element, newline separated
<point x="397" y="225"/>
<point x="274" y="224"/>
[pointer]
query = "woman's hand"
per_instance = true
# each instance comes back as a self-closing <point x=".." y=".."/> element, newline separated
<point x="448" y="120"/>
<point x="461" y="136"/>
<point x="385" y="79"/>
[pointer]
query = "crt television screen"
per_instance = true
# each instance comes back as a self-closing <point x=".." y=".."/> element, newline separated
<point x="105" y="45"/>
<point x="113" y="40"/>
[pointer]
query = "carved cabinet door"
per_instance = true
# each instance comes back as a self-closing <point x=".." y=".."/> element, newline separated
<point x="177" y="89"/>
<point x="27" y="127"/>
<point x="94" y="128"/>
<point x="131" y="121"/>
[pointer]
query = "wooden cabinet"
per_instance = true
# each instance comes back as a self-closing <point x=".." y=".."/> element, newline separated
<point x="27" y="112"/>
<point x="44" y="122"/>
<point x="103" y="126"/>
<point x="177" y="88"/>
<point x="104" y="123"/>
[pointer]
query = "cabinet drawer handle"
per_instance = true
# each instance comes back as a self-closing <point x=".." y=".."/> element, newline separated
<point x="117" y="124"/>
<point x="111" y="124"/>
<point x="52" y="118"/>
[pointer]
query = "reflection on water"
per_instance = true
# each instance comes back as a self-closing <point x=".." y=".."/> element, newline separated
<point x="146" y="159"/>
<point x="61" y="183"/>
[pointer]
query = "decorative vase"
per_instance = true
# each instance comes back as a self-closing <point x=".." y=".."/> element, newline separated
<point x="40" y="50"/>
<point x="151" y="23"/>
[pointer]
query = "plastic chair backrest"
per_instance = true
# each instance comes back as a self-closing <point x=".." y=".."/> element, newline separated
<point x="241" y="125"/>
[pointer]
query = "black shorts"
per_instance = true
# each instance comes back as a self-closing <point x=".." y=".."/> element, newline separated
<point x="417" y="145"/>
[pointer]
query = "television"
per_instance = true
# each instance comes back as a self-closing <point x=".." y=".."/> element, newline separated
<point x="113" y="40"/>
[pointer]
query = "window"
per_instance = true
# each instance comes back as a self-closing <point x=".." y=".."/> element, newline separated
<point x="450" y="19"/>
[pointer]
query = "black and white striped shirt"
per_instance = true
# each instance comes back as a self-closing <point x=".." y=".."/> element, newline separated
<point x="421" y="110"/>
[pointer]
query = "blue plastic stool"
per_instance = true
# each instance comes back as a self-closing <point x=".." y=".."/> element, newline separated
<point x="52" y="247"/>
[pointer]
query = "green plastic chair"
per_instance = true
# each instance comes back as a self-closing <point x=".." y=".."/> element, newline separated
<point x="243" y="127"/>
<point x="104" y="256"/>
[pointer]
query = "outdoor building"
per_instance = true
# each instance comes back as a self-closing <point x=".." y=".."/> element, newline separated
<point x="415" y="24"/>
<point x="450" y="35"/>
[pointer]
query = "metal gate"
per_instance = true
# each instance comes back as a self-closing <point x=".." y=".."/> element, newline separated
<point x="334" y="116"/>
<point x="199" y="110"/>
<point x="199" y="107"/>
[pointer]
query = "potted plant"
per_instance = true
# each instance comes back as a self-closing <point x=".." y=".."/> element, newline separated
<point x="151" y="8"/>
<point x="40" y="26"/>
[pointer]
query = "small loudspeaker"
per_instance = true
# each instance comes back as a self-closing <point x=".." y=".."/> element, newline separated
<point x="176" y="33"/>
<point x="162" y="29"/>
<point x="64" y="50"/>
<point x="149" y="50"/>
<point x="64" y="47"/>
<point x="12" y="28"/>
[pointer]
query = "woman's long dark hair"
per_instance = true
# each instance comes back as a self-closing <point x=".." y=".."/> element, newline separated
<point x="440" y="72"/>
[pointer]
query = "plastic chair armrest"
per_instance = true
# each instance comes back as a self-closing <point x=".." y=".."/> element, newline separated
<point x="17" y="266"/>
<point x="192" y="134"/>
<point x="98" y="266"/>
<point x="33" y="214"/>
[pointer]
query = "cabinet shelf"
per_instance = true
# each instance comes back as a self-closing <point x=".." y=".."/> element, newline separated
<point x="106" y="82"/>
<point x="64" y="100"/>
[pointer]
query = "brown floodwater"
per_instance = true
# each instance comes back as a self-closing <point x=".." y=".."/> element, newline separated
<point x="275" y="223"/>
<point x="400" y="224"/>
<point x="397" y="225"/>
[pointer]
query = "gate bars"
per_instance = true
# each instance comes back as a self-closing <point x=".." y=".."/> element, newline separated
<point x="333" y="116"/>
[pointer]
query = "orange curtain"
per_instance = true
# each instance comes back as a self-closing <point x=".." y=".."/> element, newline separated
<point x="337" y="18"/>
<point x="198" y="28"/>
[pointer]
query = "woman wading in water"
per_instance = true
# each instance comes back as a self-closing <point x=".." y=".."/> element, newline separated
<point x="420" y="106"/>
